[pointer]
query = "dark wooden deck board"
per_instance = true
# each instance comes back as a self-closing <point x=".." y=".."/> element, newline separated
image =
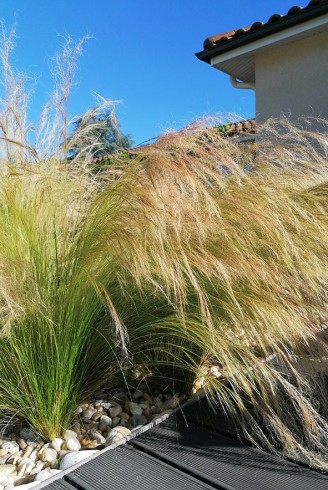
<point x="222" y="461"/>
<point x="194" y="449"/>
<point x="130" y="469"/>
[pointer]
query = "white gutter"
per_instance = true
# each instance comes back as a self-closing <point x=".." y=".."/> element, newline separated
<point x="238" y="84"/>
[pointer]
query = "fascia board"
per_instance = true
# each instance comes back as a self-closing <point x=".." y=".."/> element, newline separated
<point x="297" y="31"/>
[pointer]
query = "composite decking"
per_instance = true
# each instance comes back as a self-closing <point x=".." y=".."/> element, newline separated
<point x="194" y="449"/>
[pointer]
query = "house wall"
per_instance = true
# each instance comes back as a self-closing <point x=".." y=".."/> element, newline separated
<point x="293" y="79"/>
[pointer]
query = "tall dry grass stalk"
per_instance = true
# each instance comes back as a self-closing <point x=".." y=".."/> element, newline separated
<point x="201" y="253"/>
<point x="237" y="244"/>
<point x="52" y="136"/>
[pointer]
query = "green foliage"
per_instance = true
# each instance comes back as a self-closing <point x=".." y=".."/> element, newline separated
<point x="102" y="135"/>
<point x="189" y="256"/>
<point x="223" y="128"/>
<point x="173" y="266"/>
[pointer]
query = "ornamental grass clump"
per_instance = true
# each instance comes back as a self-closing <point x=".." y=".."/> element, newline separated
<point x="237" y="243"/>
<point x="200" y="252"/>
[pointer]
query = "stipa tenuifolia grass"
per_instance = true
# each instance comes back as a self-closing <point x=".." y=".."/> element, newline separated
<point x="201" y="252"/>
<point x="187" y="259"/>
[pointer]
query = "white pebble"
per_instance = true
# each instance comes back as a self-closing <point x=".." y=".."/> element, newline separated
<point x="69" y="434"/>
<point x="14" y="457"/>
<point x="7" y="469"/>
<point x="12" y="446"/>
<point x="117" y="434"/>
<point x="106" y="405"/>
<point x="34" y="455"/>
<point x="48" y="454"/>
<point x="57" y="443"/>
<point x="73" y="458"/>
<point x="73" y="445"/>
<point x="41" y="465"/>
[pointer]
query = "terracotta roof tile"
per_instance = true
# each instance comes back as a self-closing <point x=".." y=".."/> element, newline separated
<point x="256" y="25"/>
<point x="294" y="10"/>
<point x="239" y="127"/>
<point x="225" y="37"/>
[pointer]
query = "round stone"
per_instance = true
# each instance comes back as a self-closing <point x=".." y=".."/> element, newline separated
<point x="105" y="422"/>
<point x="137" y="420"/>
<point x="148" y="412"/>
<point x="115" y="411"/>
<point x="70" y="434"/>
<point x="116" y="421"/>
<point x="87" y="414"/>
<point x="120" y="397"/>
<point x="117" y="434"/>
<point x="135" y="408"/>
<point x="148" y="398"/>
<point x="33" y="455"/>
<point x="106" y="405"/>
<point x="73" y="444"/>
<point x="28" y="434"/>
<point x="48" y="454"/>
<point x="24" y="467"/>
<point x="13" y="458"/>
<point x="57" y="443"/>
<point x="22" y="443"/>
<point x="94" y="434"/>
<point x="11" y="446"/>
<point x="75" y="457"/>
<point x="137" y="394"/>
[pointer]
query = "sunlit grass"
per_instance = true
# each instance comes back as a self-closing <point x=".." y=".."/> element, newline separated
<point x="187" y="259"/>
<point x="198" y="252"/>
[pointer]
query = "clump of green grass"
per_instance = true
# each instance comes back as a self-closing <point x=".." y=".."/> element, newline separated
<point x="186" y="259"/>
<point x="200" y="251"/>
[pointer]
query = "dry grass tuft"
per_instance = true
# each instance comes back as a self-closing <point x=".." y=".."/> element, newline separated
<point x="202" y="252"/>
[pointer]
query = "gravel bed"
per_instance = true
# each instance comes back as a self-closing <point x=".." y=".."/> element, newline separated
<point x="25" y="460"/>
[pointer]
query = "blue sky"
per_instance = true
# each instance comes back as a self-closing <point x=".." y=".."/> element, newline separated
<point x="141" y="53"/>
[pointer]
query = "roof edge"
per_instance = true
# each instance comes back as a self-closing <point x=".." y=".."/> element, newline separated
<point x="265" y="30"/>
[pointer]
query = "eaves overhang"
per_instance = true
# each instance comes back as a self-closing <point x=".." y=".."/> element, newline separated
<point x="236" y="56"/>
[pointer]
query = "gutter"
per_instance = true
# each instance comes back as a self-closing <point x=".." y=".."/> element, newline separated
<point x="263" y="31"/>
<point x="239" y="84"/>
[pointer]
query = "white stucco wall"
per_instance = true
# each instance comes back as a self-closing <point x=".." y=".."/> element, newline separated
<point x="293" y="79"/>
